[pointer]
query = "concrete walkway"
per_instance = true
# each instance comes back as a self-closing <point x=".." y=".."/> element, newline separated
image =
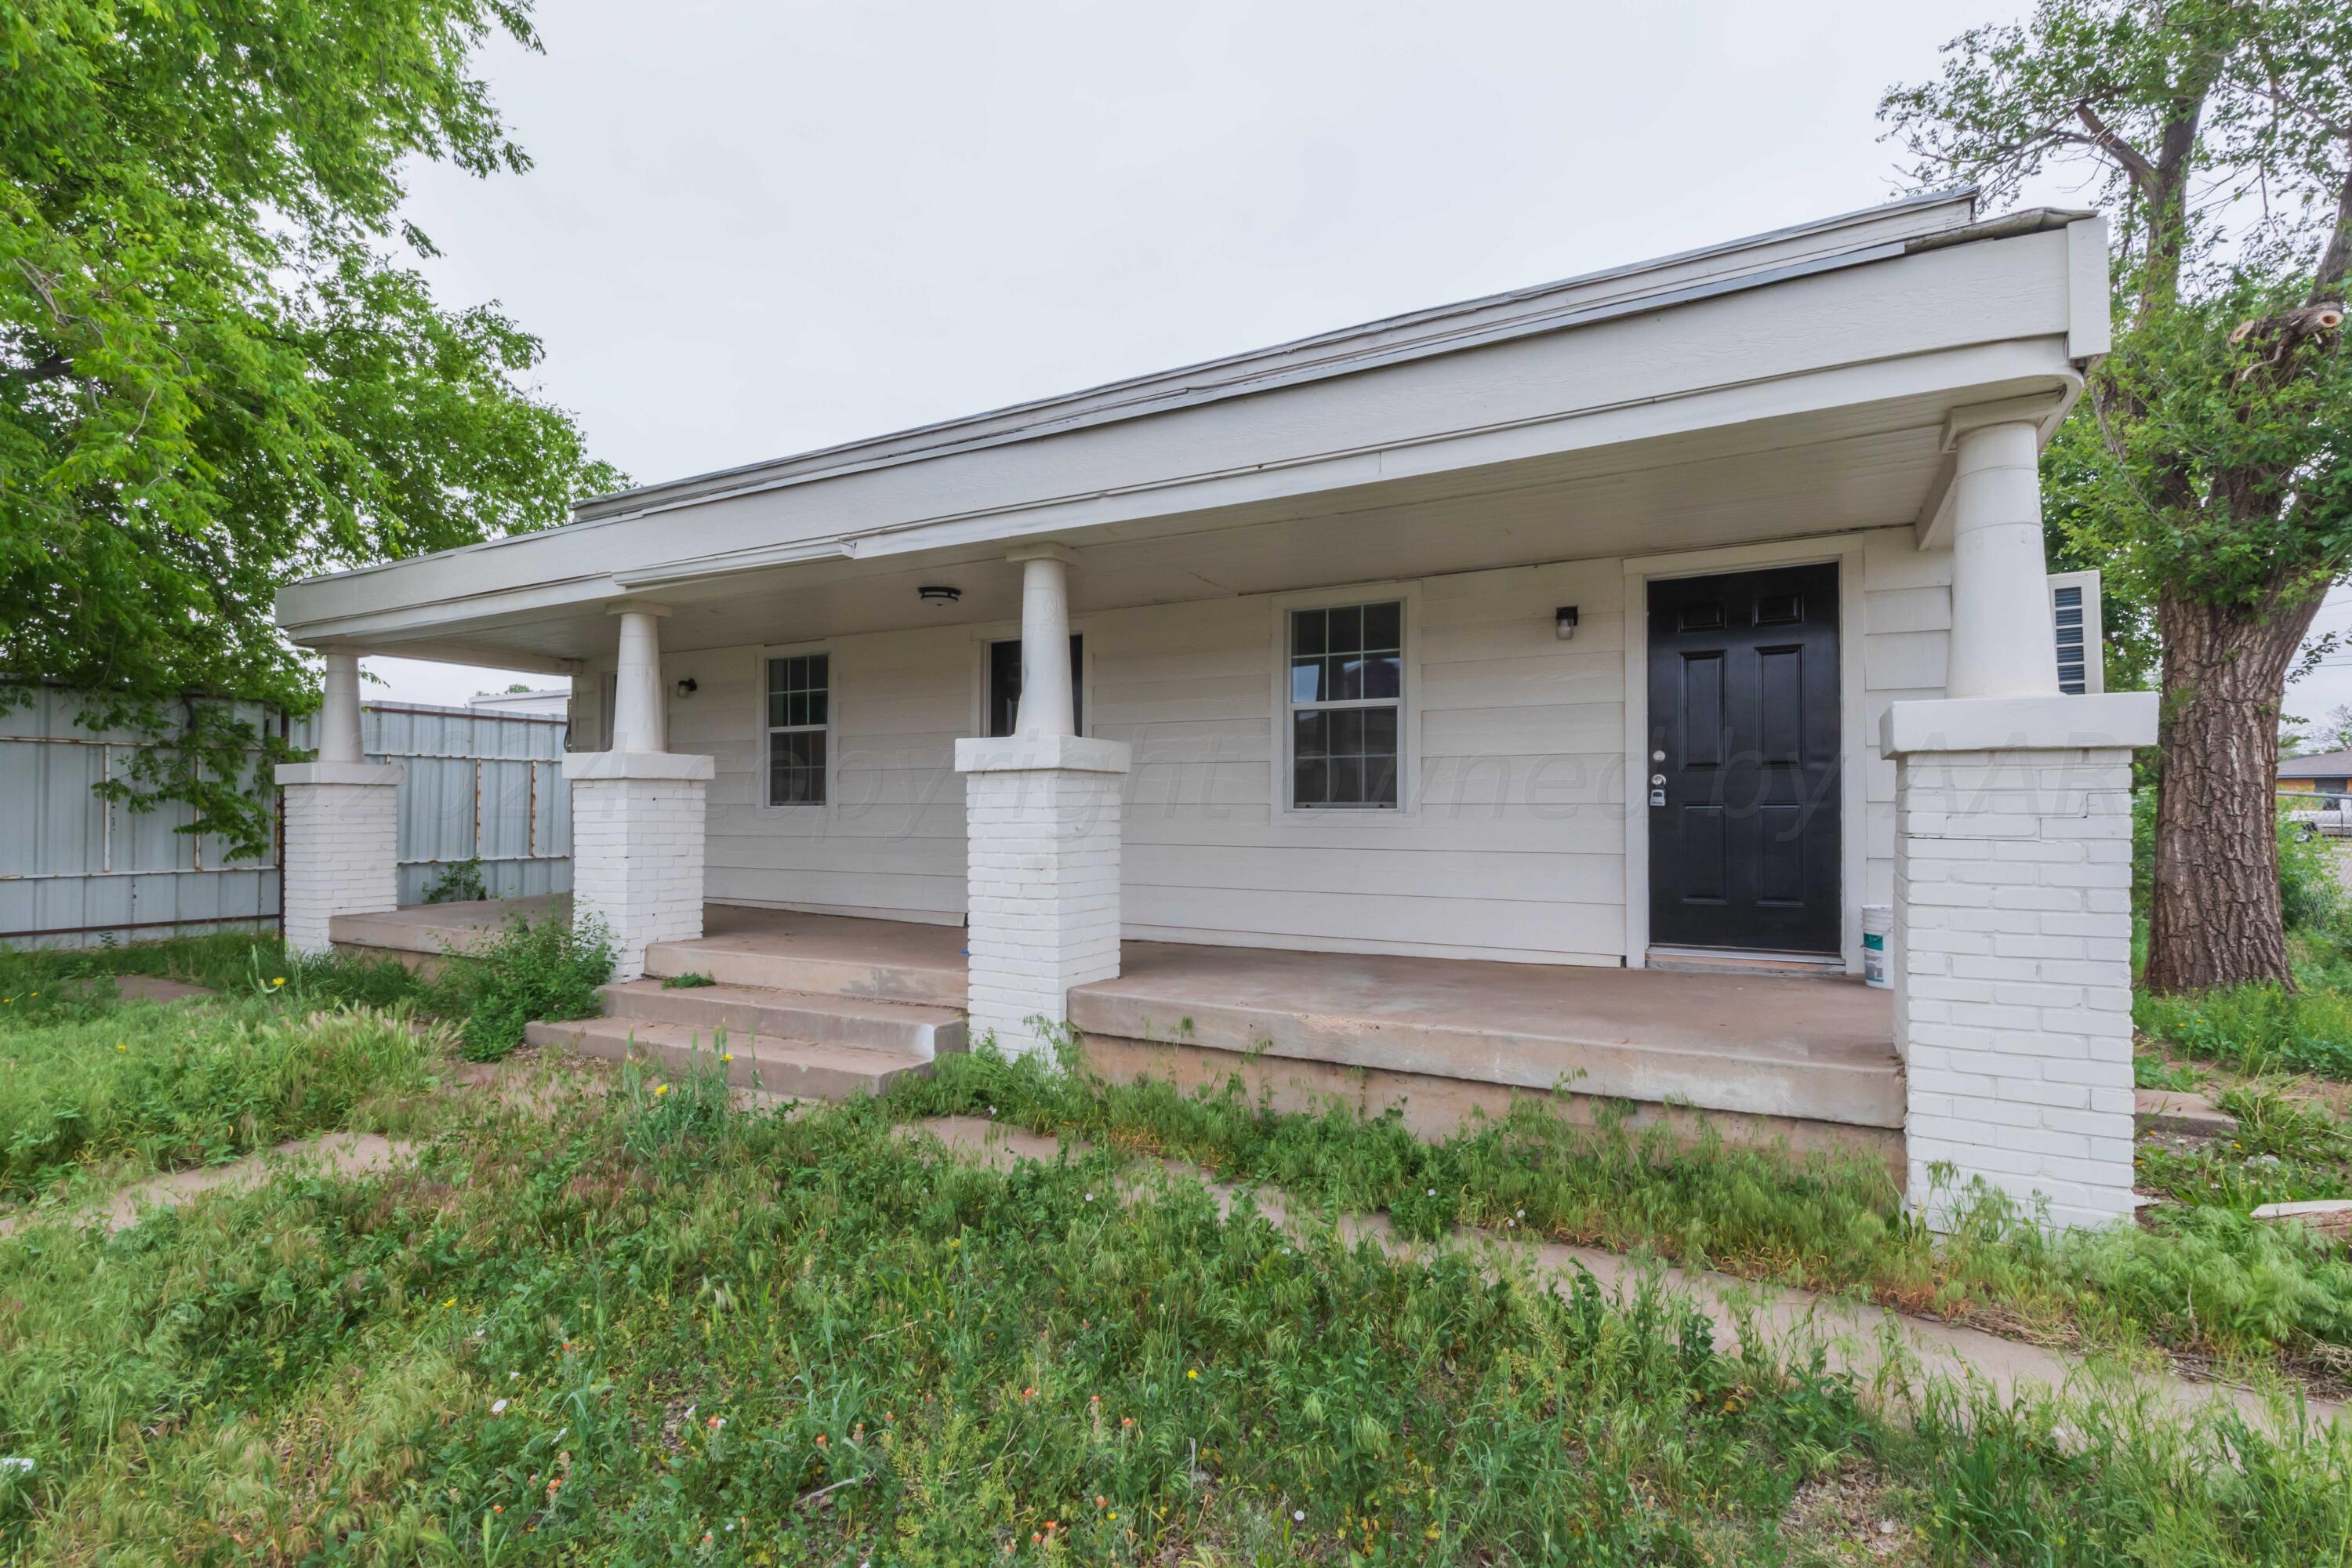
<point x="334" y="1154"/>
<point x="1861" y="1340"/>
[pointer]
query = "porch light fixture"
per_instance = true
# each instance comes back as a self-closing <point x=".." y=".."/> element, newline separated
<point x="687" y="688"/>
<point x="1563" y="622"/>
<point x="938" y="594"/>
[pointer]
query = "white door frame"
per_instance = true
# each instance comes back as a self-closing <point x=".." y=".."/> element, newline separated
<point x="1844" y="552"/>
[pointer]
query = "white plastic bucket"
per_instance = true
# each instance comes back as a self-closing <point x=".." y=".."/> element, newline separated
<point x="1877" y="926"/>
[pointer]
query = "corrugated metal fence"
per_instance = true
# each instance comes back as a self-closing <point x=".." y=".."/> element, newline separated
<point x="76" y="869"/>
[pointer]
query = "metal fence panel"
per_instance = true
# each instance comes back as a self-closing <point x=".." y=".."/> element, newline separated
<point x="76" y="869"/>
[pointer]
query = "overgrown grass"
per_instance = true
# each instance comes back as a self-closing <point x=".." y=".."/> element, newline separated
<point x="644" y="1327"/>
<point x="2259" y="1029"/>
<point x="2262" y="1029"/>
<point x="237" y="963"/>
<point x="527" y="972"/>
<point x="173" y="1086"/>
<point x="2208" y="1281"/>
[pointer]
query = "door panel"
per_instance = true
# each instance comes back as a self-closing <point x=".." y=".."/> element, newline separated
<point x="1744" y="761"/>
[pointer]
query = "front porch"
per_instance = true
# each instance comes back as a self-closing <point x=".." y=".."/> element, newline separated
<point x="1808" y="1059"/>
<point x="1369" y="713"/>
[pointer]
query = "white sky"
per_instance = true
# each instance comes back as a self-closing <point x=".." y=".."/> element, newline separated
<point x="759" y="227"/>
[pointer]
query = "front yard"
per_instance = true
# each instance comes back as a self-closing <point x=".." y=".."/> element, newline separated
<point x="603" y="1318"/>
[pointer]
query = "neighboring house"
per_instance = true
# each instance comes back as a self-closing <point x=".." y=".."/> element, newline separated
<point x="2320" y="781"/>
<point x="554" y="701"/>
<point x="1385" y="703"/>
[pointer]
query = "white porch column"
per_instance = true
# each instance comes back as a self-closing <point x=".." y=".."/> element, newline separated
<point x="341" y="822"/>
<point x="2013" y="882"/>
<point x="2002" y="644"/>
<point x="1042" y="819"/>
<point x="637" y="813"/>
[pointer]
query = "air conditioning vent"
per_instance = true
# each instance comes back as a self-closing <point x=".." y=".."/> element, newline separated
<point x="2075" y="618"/>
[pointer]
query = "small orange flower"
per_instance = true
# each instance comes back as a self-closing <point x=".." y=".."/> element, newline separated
<point x="1099" y="1501"/>
<point x="1127" y="1420"/>
<point x="820" y="1439"/>
<point x="498" y="1507"/>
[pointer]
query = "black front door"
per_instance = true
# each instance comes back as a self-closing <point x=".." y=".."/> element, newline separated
<point x="1742" y="774"/>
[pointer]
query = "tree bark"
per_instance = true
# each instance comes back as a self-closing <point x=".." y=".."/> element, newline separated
<point x="2215" y="919"/>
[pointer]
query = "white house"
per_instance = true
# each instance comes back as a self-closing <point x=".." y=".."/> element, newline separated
<point x="1521" y="693"/>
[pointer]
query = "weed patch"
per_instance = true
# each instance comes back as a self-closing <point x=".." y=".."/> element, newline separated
<point x="176" y="1086"/>
<point x="547" y="971"/>
<point x="647" y="1326"/>
<point x="2212" y="1282"/>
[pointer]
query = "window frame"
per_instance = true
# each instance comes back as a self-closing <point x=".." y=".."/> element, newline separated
<point x="1407" y="597"/>
<point x="985" y="636"/>
<point x="830" y="728"/>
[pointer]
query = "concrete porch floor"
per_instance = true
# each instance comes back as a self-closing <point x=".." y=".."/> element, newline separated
<point x="1794" y="1050"/>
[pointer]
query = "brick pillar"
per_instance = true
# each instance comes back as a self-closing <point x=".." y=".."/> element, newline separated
<point x="1041" y="815"/>
<point x="341" y="854"/>
<point x="2012" y="948"/>
<point x="638" y="848"/>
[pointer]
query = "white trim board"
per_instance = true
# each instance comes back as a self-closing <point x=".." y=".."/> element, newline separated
<point x="1845" y="552"/>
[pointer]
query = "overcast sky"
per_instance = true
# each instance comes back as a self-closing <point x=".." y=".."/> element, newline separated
<point x="756" y="228"/>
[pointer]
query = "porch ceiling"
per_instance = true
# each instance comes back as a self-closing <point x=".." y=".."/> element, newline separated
<point x="1867" y="466"/>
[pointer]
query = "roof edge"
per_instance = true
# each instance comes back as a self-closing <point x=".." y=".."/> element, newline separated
<point x="1107" y="396"/>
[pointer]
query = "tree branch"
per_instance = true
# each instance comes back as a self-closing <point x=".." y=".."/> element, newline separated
<point x="2336" y="261"/>
<point x="2134" y="161"/>
<point x="48" y="367"/>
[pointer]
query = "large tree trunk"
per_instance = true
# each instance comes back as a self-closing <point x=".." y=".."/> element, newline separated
<point x="2215" y="918"/>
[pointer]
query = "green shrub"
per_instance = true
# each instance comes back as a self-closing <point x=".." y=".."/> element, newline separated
<point x="527" y="973"/>
<point x="689" y="981"/>
<point x="460" y="883"/>
<point x="2310" y="895"/>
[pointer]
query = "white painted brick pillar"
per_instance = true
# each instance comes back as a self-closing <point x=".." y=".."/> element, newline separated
<point x="2013" y="878"/>
<point x="637" y="813"/>
<point x="2012" y="948"/>
<point x="1042" y="835"/>
<point x="1041" y="816"/>
<point x="340" y="848"/>
<point x="637" y="849"/>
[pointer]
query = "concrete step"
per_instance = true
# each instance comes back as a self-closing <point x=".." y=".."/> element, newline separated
<point x="750" y="1012"/>
<point x="801" y="1069"/>
<point x="814" y="973"/>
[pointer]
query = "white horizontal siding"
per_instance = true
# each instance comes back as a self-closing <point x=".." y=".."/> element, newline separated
<point x="1908" y="621"/>
<point x="1513" y="846"/>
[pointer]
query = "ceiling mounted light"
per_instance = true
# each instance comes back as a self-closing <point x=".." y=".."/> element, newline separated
<point x="938" y="594"/>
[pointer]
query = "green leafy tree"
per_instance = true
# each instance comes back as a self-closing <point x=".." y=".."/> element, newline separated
<point x="2208" y="470"/>
<point x="217" y="373"/>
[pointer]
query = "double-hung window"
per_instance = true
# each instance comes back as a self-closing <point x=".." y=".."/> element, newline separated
<point x="800" y="728"/>
<point x="1346" y="702"/>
